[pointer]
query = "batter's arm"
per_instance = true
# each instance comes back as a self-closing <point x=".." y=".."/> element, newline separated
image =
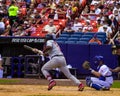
<point x="46" y="50"/>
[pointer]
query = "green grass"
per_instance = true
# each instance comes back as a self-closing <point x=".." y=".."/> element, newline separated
<point x="8" y="81"/>
<point x="116" y="84"/>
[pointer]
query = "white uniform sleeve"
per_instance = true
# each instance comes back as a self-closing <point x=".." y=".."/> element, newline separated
<point x="104" y="70"/>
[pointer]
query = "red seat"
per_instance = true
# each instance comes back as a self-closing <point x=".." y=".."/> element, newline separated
<point x="43" y="34"/>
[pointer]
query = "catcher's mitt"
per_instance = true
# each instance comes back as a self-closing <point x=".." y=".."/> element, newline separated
<point x="86" y="65"/>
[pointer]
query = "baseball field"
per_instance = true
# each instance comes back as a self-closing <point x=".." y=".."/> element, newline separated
<point x="38" y="87"/>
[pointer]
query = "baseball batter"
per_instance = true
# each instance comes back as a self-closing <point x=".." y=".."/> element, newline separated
<point x="57" y="60"/>
<point x="104" y="80"/>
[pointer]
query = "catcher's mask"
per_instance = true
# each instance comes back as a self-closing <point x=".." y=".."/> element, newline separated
<point x="49" y="37"/>
<point x="97" y="59"/>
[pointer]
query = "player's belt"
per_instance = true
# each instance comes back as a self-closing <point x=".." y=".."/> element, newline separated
<point x="56" y="56"/>
<point x="108" y="76"/>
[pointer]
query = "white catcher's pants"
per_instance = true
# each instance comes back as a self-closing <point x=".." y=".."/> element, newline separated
<point x="1" y="73"/>
<point x="100" y="82"/>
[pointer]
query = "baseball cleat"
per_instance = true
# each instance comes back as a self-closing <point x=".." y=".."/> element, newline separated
<point x="81" y="87"/>
<point x="51" y="85"/>
<point x="105" y="89"/>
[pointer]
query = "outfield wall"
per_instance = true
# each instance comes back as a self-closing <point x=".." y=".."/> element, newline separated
<point x="75" y="54"/>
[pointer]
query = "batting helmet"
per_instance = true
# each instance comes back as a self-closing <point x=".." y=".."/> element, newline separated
<point x="97" y="59"/>
<point x="49" y="37"/>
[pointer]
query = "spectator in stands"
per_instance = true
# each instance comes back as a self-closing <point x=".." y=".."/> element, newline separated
<point x="3" y="10"/>
<point x="13" y="13"/>
<point x="14" y="28"/>
<point x="95" y="40"/>
<point x="68" y="12"/>
<point x="2" y="26"/>
<point x="7" y="31"/>
<point x="76" y="25"/>
<point x="116" y="19"/>
<point x="52" y="5"/>
<point x="69" y="29"/>
<point x="86" y="10"/>
<point x="1" y="68"/>
<point x="74" y="10"/>
<point x="97" y="9"/>
<point x="95" y="2"/>
<point x="40" y="5"/>
<point x="71" y="8"/>
<point x="51" y="14"/>
<point x="20" y="32"/>
<point x="32" y="27"/>
<point x="50" y="27"/>
<point x="105" y="28"/>
<point x="42" y="15"/>
<point x="107" y="20"/>
<point x="38" y="18"/>
<point x="114" y="22"/>
<point x="99" y="23"/>
<point x="87" y="27"/>
<point x="101" y="17"/>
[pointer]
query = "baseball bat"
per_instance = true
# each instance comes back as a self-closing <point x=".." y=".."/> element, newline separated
<point x="33" y="49"/>
<point x="28" y="47"/>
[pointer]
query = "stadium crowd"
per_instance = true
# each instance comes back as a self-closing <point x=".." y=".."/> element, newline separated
<point x="30" y="17"/>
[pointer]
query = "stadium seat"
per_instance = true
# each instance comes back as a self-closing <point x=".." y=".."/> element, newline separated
<point x="82" y="42"/>
<point x="89" y="33"/>
<point x="70" y="42"/>
<point x="73" y="39"/>
<point x="79" y="33"/>
<point x="76" y="35"/>
<point x="84" y="39"/>
<point x="101" y="36"/>
<point x="101" y="33"/>
<point x="103" y="40"/>
<point x="65" y="35"/>
<point x="64" y="32"/>
<point x="87" y="36"/>
<point x="62" y="39"/>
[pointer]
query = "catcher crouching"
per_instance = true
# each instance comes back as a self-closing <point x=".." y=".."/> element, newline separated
<point x="103" y="79"/>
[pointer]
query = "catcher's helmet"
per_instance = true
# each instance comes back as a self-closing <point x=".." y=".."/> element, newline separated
<point x="98" y="59"/>
<point x="49" y="37"/>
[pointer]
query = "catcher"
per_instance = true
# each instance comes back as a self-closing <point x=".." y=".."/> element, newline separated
<point x="103" y="79"/>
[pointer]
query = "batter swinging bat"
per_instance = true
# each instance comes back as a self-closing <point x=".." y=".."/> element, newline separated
<point x="35" y="50"/>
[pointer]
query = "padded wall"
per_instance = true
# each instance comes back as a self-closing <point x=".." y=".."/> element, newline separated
<point x="75" y="55"/>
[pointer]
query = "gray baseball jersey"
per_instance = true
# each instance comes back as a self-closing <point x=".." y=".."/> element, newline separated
<point x="57" y="60"/>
